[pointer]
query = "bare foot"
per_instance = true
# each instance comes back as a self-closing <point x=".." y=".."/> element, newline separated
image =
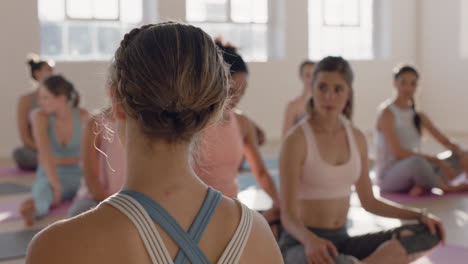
<point x="416" y="191"/>
<point x="28" y="212"/>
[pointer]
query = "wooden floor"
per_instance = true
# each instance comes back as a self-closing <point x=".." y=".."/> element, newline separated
<point x="453" y="212"/>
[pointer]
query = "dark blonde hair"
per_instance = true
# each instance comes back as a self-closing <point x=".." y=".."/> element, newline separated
<point x="340" y="65"/>
<point x="171" y="79"/>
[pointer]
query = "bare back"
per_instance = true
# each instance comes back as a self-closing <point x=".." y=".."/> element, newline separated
<point x="116" y="240"/>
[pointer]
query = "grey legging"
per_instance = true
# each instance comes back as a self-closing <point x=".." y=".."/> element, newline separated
<point x="415" y="170"/>
<point x="359" y="247"/>
<point x="25" y="158"/>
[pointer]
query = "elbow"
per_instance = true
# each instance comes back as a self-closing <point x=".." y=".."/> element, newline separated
<point x="400" y="154"/>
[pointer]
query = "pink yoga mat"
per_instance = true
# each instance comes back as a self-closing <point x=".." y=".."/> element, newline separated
<point x="446" y="255"/>
<point x="405" y="198"/>
<point x="13" y="172"/>
<point x="10" y="211"/>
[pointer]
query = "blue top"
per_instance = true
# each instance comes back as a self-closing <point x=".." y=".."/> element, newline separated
<point x="187" y="241"/>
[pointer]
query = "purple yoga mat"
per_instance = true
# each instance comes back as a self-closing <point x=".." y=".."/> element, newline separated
<point x="405" y="198"/>
<point x="10" y="210"/>
<point x="447" y="255"/>
<point x="13" y="172"/>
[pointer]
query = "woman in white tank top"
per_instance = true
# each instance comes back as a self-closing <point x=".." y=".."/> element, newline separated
<point x="171" y="82"/>
<point x="400" y="165"/>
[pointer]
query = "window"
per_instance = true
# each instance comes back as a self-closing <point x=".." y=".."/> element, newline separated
<point x="464" y="28"/>
<point x="341" y="28"/>
<point x="242" y="22"/>
<point x="86" y="29"/>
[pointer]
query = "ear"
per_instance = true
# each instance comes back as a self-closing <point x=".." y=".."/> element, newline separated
<point x="117" y="110"/>
<point x="395" y="83"/>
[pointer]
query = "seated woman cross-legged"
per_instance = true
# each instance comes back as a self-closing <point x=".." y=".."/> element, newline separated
<point x="322" y="157"/>
<point x="400" y="165"/>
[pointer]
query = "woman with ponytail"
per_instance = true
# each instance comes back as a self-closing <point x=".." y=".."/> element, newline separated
<point x="321" y="159"/>
<point x="56" y="129"/>
<point x="26" y="155"/>
<point x="400" y="165"/>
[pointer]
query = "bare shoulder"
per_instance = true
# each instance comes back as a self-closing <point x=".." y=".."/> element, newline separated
<point x="261" y="246"/>
<point x="25" y="99"/>
<point x="295" y="135"/>
<point x="87" y="236"/>
<point x="38" y="116"/>
<point x="84" y="114"/>
<point x="360" y="139"/>
<point x="295" y="105"/>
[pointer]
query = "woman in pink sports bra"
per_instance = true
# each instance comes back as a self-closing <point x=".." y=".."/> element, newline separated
<point x="223" y="145"/>
<point x="321" y="158"/>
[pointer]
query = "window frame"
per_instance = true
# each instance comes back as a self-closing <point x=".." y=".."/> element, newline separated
<point x="270" y="34"/>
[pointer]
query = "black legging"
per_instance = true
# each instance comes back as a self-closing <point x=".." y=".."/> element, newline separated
<point x="361" y="246"/>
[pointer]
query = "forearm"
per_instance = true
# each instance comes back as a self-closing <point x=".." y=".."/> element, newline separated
<point x="296" y="228"/>
<point x="50" y="168"/>
<point x="266" y="182"/>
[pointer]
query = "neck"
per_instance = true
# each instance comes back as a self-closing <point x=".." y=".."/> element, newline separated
<point x="326" y="124"/>
<point x="157" y="168"/>
<point x="402" y="102"/>
<point x="63" y="112"/>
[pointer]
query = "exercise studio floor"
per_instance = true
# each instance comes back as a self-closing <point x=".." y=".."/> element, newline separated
<point x="453" y="210"/>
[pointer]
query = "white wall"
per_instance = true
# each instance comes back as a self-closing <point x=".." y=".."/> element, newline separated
<point x="445" y="73"/>
<point x="271" y="85"/>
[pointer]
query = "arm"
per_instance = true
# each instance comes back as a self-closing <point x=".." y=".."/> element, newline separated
<point x="46" y="159"/>
<point x="366" y="195"/>
<point x="89" y="155"/>
<point x="386" y="126"/>
<point x="255" y="159"/>
<point x="289" y="118"/>
<point x="292" y="158"/>
<point x="22" y="119"/>
<point x="438" y="135"/>
<point x="386" y="208"/>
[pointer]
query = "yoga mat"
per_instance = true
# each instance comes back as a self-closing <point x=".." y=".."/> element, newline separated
<point x="247" y="180"/>
<point x="13" y="188"/>
<point x="15" y="244"/>
<point x="10" y="210"/>
<point x="13" y="172"/>
<point x="405" y="198"/>
<point x="445" y="255"/>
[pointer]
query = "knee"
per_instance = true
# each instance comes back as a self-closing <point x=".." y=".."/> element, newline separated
<point x="420" y="164"/>
<point x="295" y="255"/>
<point x="25" y="158"/>
<point x="344" y="259"/>
<point x="420" y="240"/>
